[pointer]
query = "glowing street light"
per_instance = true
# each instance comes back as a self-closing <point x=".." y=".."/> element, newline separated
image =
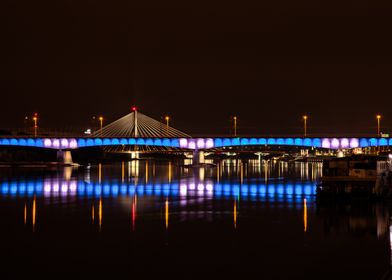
<point x="167" y="119"/>
<point x="305" y="118"/>
<point x="235" y="126"/>
<point x="100" y="123"/>
<point x="378" y="124"/>
<point x="134" y="110"/>
<point x="35" y="120"/>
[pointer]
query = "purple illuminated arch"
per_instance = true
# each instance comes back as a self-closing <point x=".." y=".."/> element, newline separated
<point x="326" y="143"/>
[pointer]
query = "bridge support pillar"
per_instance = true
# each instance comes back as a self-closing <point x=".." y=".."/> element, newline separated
<point x="64" y="157"/>
<point x="135" y="155"/>
<point x="198" y="157"/>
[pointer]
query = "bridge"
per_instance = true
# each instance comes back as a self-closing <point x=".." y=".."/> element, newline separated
<point x="139" y="130"/>
<point x="195" y="143"/>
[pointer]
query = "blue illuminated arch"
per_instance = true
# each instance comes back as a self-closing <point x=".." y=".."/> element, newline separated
<point x="262" y="141"/>
<point x="253" y="141"/>
<point x="383" y="142"/>
<point x="317" y="142"/>
<point x="363" y="142"/>
<point x="89" y="142"/>
<point x="5" y="142"/>
<point x="149" y="142"/>
<point x="132" y="141"/>
<point x="158" y="142"/>
<point x="280" y="141"/>
<point x="100" y="142"/>
<point x="226" y="142"/>
<point x="236" y="142"/>
<point x="244" y="141"/>
<point x="307" y="142"/>
<point x="166" y="142"/>
<point x="123" y="141"/>
<point x="140" y="141"/>
<point x="39" y="143"/>
<point x="31" y="142"/>
<point x="175" y="143"/>
<point x="81" y="142"/>
<point x="106" y="142"/>
<point x="22" y="142"/>
<point x="271" y="141"/>
<point x="298" y="142"/>
<point x="373" y="142"/>
<point x="289" y="141"/>
<point x="218" y="142"/>
<point x="115" y="141"/>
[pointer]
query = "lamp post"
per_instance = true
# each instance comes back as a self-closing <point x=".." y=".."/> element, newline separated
<point x="167" y="118"/>
<point x="35" y="120"/>
<point x="235" y="126"/>
<point x="134" y="110"/>
<point x="305" y="118"/>
<point x="378" y="124"/>
<point x="100" y="124"/>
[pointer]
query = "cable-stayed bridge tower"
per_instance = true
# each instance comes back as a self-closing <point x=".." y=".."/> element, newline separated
<point x="138" y="125"/>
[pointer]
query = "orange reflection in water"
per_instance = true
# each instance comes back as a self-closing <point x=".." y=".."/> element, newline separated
<point x="100" y="213"/>
<point x="235" y="214"/>
<point x="167" y="214"/>
<point x="34" y="213"/>
<point x="92" y="213"/>
<point x="305" y="216"/>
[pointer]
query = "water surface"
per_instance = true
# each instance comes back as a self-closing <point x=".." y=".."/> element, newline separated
<point x="241" y="220"/>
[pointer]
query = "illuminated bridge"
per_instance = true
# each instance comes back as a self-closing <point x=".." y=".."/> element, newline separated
<point x="137" y="129"/>
<point x="195" y="143"/>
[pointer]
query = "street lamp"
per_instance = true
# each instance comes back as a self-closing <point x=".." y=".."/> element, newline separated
<point x="167" y="118"/>
<point x="100" y="123"/>
<point x="235" y="126"/>
<point x="35" y="120"/>
<point x="378" y="124"/>
<point x="305" y="118"/>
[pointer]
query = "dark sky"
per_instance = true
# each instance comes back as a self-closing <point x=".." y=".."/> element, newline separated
<point x="269" y="62"/>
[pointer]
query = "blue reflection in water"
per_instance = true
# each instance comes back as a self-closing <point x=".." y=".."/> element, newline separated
<point x="283" y="191"/>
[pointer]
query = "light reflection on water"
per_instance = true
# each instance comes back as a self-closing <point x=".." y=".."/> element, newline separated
<point x="263" y="201"/>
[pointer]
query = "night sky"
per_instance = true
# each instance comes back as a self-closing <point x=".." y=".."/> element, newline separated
<point x="269" y="62"/>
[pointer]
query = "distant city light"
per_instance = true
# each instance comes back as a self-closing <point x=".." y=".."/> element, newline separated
<point x="88" y="131"/>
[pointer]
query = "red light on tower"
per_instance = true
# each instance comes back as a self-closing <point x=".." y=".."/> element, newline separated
<point x="134" y="108"/>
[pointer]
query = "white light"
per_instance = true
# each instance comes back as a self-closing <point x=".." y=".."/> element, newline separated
<point x="183" y="189"/>
<point x="183" y="143"/>
<point x="88" y="131"/>
<point x="64" y="188"/>
<point x="56" y="187"/>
